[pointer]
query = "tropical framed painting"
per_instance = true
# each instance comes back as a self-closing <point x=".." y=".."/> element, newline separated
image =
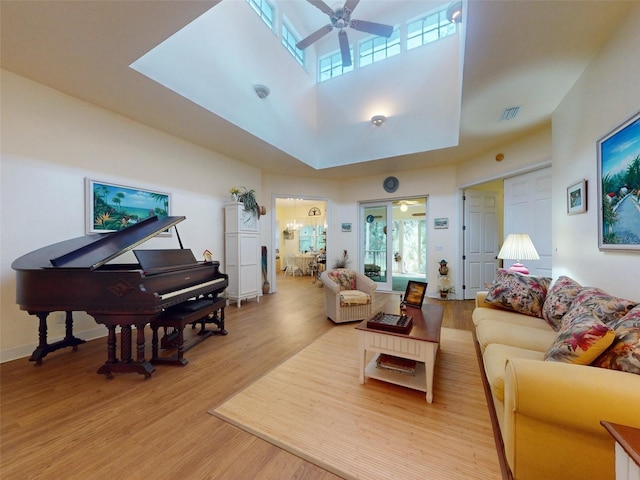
<point x="111" y="207"/>
<point x="619" y="187"/>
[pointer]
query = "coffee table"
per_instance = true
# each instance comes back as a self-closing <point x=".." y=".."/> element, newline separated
<point x="420" y="344"/>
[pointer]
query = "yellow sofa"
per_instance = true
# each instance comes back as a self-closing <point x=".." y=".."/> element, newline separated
<point x="549" y="413"/>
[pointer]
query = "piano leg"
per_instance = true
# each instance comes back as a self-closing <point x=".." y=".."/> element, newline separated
<point x="126" y="364"/>
<point x="44" y="348"/>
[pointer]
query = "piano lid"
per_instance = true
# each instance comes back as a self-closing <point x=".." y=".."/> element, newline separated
<point x="111" y="245"/>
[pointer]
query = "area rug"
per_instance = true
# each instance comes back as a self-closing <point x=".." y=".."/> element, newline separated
<point x="313" y="406"/>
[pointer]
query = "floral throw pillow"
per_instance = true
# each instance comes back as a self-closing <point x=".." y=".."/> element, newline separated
<point x="580" y="341"/>
<point x="624" y="352"/>
<point x="523" y="293"/>
<point x="559" y="300"/>
<point x="604" y="306"/>
<point x="344" y="278"/>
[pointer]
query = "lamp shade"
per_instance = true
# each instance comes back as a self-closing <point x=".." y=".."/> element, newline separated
<point x="518" y="246"/>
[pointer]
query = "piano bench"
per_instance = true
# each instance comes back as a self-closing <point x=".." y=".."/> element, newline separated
<point x="190" y="312"/>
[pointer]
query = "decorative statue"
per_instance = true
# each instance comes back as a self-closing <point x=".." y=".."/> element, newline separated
<point x="443" y="270"/>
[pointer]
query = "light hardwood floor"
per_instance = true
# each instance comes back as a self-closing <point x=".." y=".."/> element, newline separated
<point x="62" y="420"/>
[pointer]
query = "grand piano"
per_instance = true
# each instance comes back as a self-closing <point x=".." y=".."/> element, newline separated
<point x="75" y="275"/>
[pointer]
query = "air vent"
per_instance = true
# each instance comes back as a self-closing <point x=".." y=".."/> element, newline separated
<point x="510" y="113"/>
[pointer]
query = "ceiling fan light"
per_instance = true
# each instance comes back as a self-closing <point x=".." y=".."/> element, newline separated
<point x="403" y="207"/>
<point x="378" y="120"/>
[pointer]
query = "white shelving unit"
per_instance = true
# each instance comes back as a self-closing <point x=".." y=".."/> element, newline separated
<point x="242" y="253"/>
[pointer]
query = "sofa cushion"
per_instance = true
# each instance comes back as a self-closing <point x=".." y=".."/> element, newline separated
<point x="495" y="358"/>
<point x="507" y="316"/>
<point x="624" y="352"/>
<point x="523" y="293"/>
<point x="604" y="306"/>
<point x="521" y="336"/>
<point x="581" y="341"/>
<point x="343" y="277"/>
<point x="559" y="300"/>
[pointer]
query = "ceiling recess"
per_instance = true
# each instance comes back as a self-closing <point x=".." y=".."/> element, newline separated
<point x="510" y="113"/>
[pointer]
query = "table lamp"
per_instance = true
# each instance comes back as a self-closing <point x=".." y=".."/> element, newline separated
<point x="518" y="246"/>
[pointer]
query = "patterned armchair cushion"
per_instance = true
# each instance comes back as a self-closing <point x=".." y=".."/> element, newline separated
<point x="624" y="352"/>
<point x="354" y="297"/>
<point x="559" y="300"/>
<point x="523" y="293"/>
<point x="343" y="277"/>
<point x="604" y="306"/>
<point x="580" y="341"/>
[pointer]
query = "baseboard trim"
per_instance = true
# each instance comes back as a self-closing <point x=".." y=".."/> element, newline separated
<point x="24" y="351"/>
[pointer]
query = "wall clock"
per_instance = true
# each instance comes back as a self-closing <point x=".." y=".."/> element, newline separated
<point x="390" y="184"/>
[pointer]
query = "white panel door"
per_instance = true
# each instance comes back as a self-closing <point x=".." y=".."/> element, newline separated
<point x="480" y="241"/>
<point x="527" y="209"/>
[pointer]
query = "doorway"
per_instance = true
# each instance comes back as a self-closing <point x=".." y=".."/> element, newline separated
<point x="299" y="235"/>
<point x="394" y="242"/>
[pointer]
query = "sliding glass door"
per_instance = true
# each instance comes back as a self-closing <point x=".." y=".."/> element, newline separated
<point x="394" y="242"/>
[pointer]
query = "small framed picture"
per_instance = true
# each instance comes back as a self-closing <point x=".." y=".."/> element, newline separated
<point x="577" y="198"/>
<point x="441" y="223"/>
<point x="346" y="227"/>
<point x="414" y="295"/>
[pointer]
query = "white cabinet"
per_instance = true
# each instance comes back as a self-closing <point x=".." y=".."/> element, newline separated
<point x="241" y="253"/>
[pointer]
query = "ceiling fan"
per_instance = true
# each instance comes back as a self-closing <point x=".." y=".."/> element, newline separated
<point x="341" y="18"/>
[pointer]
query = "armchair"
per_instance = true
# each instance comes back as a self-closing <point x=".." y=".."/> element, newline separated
<point x="348" y="295"/>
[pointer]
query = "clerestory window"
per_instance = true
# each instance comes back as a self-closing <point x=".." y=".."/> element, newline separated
<point x="375" y="49"/>
<point x="330" y="66"/>
<point x="289" y="41"/>
<point x="429" y="28"/>
<point x="264" y="10"/>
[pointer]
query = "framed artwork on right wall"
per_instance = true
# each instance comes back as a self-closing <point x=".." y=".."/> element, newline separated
<point x="619" y="187"/>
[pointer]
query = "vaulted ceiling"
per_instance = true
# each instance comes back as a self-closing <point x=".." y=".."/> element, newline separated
<point x="518" y="52"/>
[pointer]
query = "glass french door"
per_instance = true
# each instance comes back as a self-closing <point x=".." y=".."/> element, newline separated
<point x="394" y="242"/>
<point x="376" y="248"/>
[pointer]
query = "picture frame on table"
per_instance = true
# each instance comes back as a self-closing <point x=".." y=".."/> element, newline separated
<point x="414" y="294"/>
<point x="618" y="154"/>
<point x="577" y="198"/>
<point x="111" y="207"/>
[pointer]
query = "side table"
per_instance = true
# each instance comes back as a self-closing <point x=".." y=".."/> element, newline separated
<point x="420" y="344"/>
<point x="627" y="450"/>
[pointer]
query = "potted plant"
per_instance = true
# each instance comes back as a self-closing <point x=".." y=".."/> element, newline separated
<point x="247" y="197"/>
<point x="343" y="261"/>
<point x="445" y="287"/>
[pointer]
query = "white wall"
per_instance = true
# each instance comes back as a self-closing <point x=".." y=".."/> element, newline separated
<point x="50" y="143"/>
<point x="606" y="94"/>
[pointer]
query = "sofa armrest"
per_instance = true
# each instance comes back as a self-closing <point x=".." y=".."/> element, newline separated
<point x="553" y="410"/>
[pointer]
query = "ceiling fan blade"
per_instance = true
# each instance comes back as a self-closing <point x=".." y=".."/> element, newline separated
<point x="344" y="48"/>
<point x="350" y="5"/>
<point x="314" y="37"/>
<point x="319" y="4"/>
<point x="372" y="27"/>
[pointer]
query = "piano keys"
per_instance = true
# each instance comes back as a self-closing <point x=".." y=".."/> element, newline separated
<point x="74" y="275"/>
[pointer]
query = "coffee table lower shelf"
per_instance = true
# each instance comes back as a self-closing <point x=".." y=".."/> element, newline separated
<point x="415" y="382"/>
